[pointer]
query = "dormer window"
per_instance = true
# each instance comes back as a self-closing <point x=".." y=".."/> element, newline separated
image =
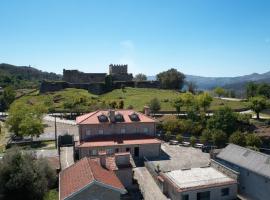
<point x="134" y="117"/>
<point x="103" y="118"/>
<point x="119" y="117"/>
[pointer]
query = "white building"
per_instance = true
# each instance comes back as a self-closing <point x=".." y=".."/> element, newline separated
<point x="199" y="184"/>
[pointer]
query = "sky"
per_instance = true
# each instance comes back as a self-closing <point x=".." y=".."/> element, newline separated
<point x="198" y="37"/>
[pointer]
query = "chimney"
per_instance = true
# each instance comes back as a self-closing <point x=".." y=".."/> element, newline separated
<point x="102" y="157"/>
<point x="122" y="159"/>
<point x="112" y="115"/>
<point x="146" y="110"/>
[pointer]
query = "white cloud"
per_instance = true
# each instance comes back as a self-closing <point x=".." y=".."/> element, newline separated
<point x="128" y="55"/>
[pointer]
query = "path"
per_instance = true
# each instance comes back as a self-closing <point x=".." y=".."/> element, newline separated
<point x="148" y="186"/>
<point x="66" y="157"/>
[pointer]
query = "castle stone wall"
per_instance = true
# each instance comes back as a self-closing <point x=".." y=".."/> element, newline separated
<point x="118" y="69"/>
<point x="75" y="76"/>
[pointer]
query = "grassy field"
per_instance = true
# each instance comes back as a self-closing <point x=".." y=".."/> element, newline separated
<point x="136" y="97"/>
<point x="51" y="195"/>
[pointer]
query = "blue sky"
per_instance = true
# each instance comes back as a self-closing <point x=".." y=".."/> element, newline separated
<point x="200" y="37"/>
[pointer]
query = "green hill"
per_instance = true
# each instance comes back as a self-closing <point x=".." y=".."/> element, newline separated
<point x="23" y="76"/>
<point x="82" y="101"/>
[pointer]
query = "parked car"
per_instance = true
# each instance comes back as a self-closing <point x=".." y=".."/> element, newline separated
<point x="185" y="144"/>
<point x="173" y="142"/>
<point x="198" y="145"/>
<point x="208" y="148"/>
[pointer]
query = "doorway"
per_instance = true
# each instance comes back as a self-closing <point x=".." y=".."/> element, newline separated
<point x="136" y="152"/>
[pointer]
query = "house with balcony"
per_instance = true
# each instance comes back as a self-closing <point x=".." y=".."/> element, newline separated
<point x="117" y="131"/>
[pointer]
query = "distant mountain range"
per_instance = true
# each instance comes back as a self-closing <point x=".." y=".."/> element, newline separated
<point x="20" y="74"/>
<point x="232" y="83"/>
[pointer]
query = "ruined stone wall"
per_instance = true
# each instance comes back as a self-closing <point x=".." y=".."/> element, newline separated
<point x="75" y="76"/>
<point x="95" y="88"/>
<point x="49" y="86"/>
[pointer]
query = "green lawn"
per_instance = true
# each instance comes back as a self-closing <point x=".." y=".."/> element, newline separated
<point x="51" y="195"/>
<point x="137" y="97"/>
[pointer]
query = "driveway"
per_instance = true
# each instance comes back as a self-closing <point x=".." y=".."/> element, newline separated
<point x="66" y="157"/>
<point x="148" y="186"/>
<point x="176" y="157"/>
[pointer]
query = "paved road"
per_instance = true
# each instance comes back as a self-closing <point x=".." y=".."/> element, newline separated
<point x="148" y="186"/>
<point x="66" y="157"/>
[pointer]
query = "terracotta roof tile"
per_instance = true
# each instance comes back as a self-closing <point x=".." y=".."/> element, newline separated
<point x="92" y="118"/>
<point x="82" y="173"/>
<point x="117" y="140"/>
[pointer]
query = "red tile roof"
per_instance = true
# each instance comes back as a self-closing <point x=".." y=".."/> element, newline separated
<point x="117" y="140"/>
<point x="84" y="172"/>
<point x="92" y="118"/>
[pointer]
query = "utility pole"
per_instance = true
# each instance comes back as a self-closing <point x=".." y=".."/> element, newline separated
<point x="55" y="131"/>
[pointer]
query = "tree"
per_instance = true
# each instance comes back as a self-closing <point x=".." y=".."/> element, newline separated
<point x="121" y="104"/>
<point x="238" y="138"/>
<point x="192" y="141"/>
<point x="204" y="100"/>
<point x="206" y="136"/>
<point x="219" y="138"/>
<point x="140" y="77"/>
<point x="223" y="119"/>
<point x="219" y="91"/>
<point x="257" y="104"/>
<point x="178" y="104"/>
<point x="253" y="140"/>
<point x="192" y="87"/>
<point x="264" y="90"/>
<point x="171" y="79"/>
<point x="154" y="105"/>
<point x="188" y="100"/>
<point x="25" y="120"/>
<point x="7" y="98"/>
<point x="251" y="89"/>
<point x="179" y="138"/>
<point x="22" y="176"/>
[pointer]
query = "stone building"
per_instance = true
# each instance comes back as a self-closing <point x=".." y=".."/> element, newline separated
<point x="199" y="183"/>
<point x="91" y="179"/>
<point x="253" y="168"/>
<point x="75" y="76"/>
<point x="115" y="131"/>
<point x="120" y="73"/>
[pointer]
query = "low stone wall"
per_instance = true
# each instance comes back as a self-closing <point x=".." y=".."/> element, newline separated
<point x="95" y="88"/>
<point x="225" y="170"/>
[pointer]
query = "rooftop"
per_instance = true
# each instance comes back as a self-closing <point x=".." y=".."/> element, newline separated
<point x="102" y="117"/>
<point x="81" y="174"/>
<point x="198" y="178"/>
<point x="120" y="140"/>
<point x="246" y="158"/>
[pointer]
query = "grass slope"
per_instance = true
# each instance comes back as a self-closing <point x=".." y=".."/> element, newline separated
<point x="137" y="97"/>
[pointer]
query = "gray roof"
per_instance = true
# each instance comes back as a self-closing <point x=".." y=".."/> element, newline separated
<point x="251" y="160"/>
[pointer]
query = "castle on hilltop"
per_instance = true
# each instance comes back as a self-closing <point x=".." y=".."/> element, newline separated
<point x="117" y="72"/>
<point x="97" y="83"/>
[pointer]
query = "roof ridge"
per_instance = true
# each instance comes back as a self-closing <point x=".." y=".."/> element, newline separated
<point x="89" y="116"/>
<point x="248" y="149"/>
<point x="90" y="168"/>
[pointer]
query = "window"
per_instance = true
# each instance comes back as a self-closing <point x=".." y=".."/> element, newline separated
<point x="123" y="130"/>
<point x="103" y="118"/>
<point x="134" y="117"/>
<point x="109" y="151"/>
<point x="93" y="152"/>
<point x="225" y="192"/>
<point x="100" y="132"/>
<point x="116" y="150"/>
<point x="88" y="132"/>
<point x="119" y="117"/>
<point x="145" y="130"/>
<point x="185" y="197"/>
<point x="203" y="195"/>
<point x="127" y="149"/>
